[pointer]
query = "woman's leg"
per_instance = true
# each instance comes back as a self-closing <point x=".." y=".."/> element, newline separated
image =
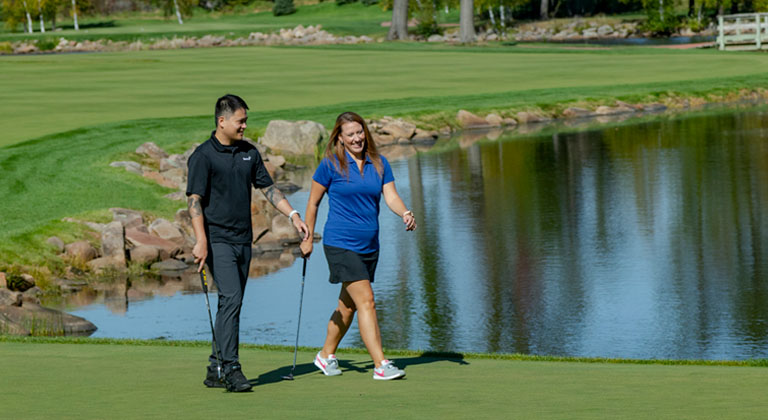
<point x="339" y="323"/>
<point x="362" y="295"/>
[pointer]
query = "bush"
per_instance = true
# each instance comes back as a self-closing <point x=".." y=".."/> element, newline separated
<point x="283" y="7"/>
<point x="343" y="2"/>
<point x="369" y="2"/>
<point x="6" y="48"/>
<point x="46" y="44"/>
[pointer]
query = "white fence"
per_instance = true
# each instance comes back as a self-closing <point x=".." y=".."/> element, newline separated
<point x="744" y="31"/>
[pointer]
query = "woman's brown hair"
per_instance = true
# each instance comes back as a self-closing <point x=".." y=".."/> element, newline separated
<point x="336" y="153"/>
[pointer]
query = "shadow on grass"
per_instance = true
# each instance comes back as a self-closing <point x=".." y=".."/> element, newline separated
<point x="358" y="367"/>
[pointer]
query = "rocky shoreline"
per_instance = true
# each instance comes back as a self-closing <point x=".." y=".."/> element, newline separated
<point x="576" y="30"/>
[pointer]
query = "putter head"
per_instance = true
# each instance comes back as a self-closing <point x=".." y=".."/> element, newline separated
<point x="288" y="377"/>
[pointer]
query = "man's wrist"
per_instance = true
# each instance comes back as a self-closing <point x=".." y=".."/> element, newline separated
<point x="290" y="215"/>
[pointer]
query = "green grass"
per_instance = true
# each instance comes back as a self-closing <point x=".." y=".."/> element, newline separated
<point x="86" y="381"/>
<point x="354" y="19"/>
<point x="55" y="93"/>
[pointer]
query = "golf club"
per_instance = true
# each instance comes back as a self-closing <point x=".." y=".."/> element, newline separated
<point x="289" y="377"/>
<point x="204" y="281"/>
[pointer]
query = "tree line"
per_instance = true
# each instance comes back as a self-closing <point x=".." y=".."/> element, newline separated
<point x="662" y="16"/>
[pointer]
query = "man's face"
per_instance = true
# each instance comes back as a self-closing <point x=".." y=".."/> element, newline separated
<point x="234" y="126"/>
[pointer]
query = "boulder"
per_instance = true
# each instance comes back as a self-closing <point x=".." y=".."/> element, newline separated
<point x="8" y="326"/>
<point x="166" y="248"/>
<point x="383" y="139"/>
<point x="423" y="135"/>
<point x="494" y="120"/>
<point x="152" y="150"/>
<point x="282" y="228"/>
<point x="169" y="265"/>
<point x="608" y="110"/>
<point x="99" y="265"/>
<point x="295" y="137"/>
<point x="399" y="129"/>
<point x="81" y="250"/>
<point x="525" y="117"/>
<point x="129" y="166"/>
<point x="10" y="298"/>
<point x="32" y="295"/>
<point x="3" y="282"/>
<point x="576" y="112"/>
<point x="184" y="221"/>
<point x="176" y="196"/>
<point x="276" y="160"/>
<point x="70" y="286"/>
<point x="166" y="230"/>
<point x="467" y="119"/>
<point x="56" y="243"/>
<point x="127" y="217"/>
<point x="160" y="179"/>
<point x="44" y="321"/>
<point x="144" y="254"/>
<point x="176" y="175"/>
<point x="113" y="242"/>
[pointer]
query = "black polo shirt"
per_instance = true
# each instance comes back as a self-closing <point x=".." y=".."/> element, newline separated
<point x="223" y="177"/>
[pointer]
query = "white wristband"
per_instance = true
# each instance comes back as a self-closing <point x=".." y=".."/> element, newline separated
<point x="407" y="213"/>
<point x="294" y="211"/>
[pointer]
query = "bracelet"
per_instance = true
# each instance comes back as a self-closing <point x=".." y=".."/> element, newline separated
<point x="407" y="213"/>
<point x="294" y="211"/>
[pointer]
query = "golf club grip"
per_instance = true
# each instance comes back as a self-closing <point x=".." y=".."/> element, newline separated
<point x="204" y="281"/>
<point x="304" y="268"/>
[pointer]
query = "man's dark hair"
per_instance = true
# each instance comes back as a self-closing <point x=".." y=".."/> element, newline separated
<point x="228" y="105"/>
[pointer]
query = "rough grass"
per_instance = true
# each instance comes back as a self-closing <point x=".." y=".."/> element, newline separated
<point x="159" y="381"/>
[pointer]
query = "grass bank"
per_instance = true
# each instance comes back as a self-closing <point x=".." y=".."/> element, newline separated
<point x="88" y="380"/>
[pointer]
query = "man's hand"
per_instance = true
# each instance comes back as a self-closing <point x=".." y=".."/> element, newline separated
<point x="200" y="252"/>
<point x="300" y="226"/>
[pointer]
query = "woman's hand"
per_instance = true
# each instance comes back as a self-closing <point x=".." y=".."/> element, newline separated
<point x="410" y="220"/>
<point x="306" y="247"/>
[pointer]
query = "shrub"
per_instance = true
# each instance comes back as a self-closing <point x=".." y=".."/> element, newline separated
<point x="369" y="2"/>
<point x="343" y="2"/>
<point x="6" y="48"/>
<point x="283" y="7"/>
<point x="46" y="44"/>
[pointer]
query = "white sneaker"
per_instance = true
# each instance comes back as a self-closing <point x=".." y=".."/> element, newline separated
<point x="387" y="371"/>
<point x="329" y="366"/>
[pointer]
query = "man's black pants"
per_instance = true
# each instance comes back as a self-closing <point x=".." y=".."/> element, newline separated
<point x="228" y="264"/>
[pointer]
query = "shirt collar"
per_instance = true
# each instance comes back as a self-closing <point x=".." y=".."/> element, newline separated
<point x="220" y="147"/>
<point x="351" y="159"/>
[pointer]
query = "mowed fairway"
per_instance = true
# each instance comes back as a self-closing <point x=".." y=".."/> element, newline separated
<point x="47" y="94"/>
<point x="93" y="381"/>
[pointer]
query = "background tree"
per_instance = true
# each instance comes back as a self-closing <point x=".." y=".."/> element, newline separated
<point x="467" y="21"/>
<point x="283" y="7"/>
<point x="399" y="26"/>
<point x="180" y="8"/>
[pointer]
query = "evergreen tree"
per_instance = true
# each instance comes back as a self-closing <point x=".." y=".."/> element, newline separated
<point x="283" y="7"/>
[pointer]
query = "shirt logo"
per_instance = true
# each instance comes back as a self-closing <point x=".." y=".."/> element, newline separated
<point x="247" y="158"/>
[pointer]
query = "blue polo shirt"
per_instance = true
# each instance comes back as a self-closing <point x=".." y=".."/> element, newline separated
<point x="353" y="215"/>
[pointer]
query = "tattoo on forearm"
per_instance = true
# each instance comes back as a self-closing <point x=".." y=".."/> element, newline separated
<point x="273" y="194"/>
<point x="194" y="206"/>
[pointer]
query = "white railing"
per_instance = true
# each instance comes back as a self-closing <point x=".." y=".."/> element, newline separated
<point x="744" y="31"/>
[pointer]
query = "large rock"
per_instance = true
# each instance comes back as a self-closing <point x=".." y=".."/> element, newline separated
<point x="40" y="320"/>
<point x="127" y="217"/>
<point x="113" y="242"/>
<point x="9" y="297"/>
<point x="160" y="179"/>
<point x="399" y="129"/>
<point x="298" y="138"/>
<point x="525" y="117"/>
<point x="81" y="250"/>
<point x="144" y="254"/>
<point x="166" y="230"/>
<point x="576" y="112"/>
<point x="3" y="282"/>
<point x="467" y="119"/>
<point x="184" y="221"/>
<point x="56" y="243"/>
<point x="99" y="265"/>
<point x="169" y="265"/>
<point x="129" y="166"/>
<point x="166" y="248"/>
<point x="494" y="120"/>
<point x="283" y="228"/>
<point x="152" y="150"/>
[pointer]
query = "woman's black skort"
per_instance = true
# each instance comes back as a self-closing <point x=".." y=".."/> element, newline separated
<point x="346" y="265"/>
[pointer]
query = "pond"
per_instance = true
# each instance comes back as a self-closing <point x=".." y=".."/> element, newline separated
<point x="647" y="240"/>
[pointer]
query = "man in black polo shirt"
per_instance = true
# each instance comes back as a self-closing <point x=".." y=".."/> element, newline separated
<point x="221" y="173"/>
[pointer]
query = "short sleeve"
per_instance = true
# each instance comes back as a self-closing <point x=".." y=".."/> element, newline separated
<point x="259" y="176"/>
<point x="198" y="177"/>
<point x="387" y="176"/>
<point x="324" y="173"/>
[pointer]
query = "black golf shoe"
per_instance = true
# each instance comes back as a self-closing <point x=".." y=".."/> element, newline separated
<point x="235" y="380"/>
<point x="212" y="379"/>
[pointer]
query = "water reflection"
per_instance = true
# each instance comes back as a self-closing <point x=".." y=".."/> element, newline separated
<point x="644" y="241"/>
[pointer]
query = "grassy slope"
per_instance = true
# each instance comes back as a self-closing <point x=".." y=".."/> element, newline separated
<point x="123" y="381"/>
<point x="353" y="19"/>
<point x="54" y="93"/>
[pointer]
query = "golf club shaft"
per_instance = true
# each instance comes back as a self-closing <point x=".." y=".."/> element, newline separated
<point x="204" y="281"/>
<point x="298" y="324"/>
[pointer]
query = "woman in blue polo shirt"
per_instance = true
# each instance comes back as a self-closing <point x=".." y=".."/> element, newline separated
<point x="354" y="176"/>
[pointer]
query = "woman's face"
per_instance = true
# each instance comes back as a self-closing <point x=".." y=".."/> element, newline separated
<point x="353" y="138"/>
